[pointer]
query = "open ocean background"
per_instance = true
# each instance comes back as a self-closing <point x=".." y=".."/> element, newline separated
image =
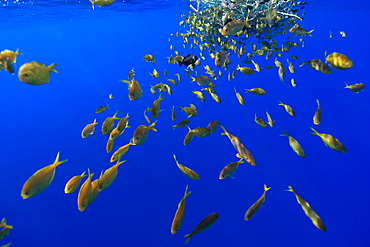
<point x="93" y="50"/>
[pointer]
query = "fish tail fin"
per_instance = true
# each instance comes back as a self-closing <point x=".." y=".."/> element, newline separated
<point x="290" y="188"/>
<point x="57" y="162"/>
<point x="265" y="188"/>
<point x="95" y="121"/>
<point x="174" y="157"/>
<point x="83" y="175"/>
<point x="120" y="162"/>
<point x="311" y="31"/>
<point x="285" y="133"/>
<point x="93" y="4"/>
<point x="225" y="131"/>
<point x="314" y="131"/>
<point x="188" y="236"/>
<point x="186" y="194"/>
<point x="303" y="63"/>
<point x="151" y="127"/>
<point x="318" y="102"/>
<point x="51" y="68"/>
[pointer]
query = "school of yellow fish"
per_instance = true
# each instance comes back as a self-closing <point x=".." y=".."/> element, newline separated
<point x="219" y="40"/>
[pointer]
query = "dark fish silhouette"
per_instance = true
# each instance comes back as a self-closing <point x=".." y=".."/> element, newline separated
<point x="188" y="60"/>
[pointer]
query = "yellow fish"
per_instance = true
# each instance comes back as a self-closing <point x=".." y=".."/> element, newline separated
<point x="257" y="205"/>
<point x="179" y="215"/>
<point x="89" y="130"/>
<point x="73" y="183"/>
<point x="240" y="148"/>
<point x="202" y="226"/>
<point x="187" y="171"/>
<point x="11" y="55"/>
<point x="339" y="61"/>
<point x="85" y="193"/>
<point x="108" y="124"/>
<point x="35" y="73"/>
<point x="101" y="3"/>
<point x="331" y="141"/>
<point x="120" y="152"/>
<point x="109" y="175"/>
<point x="316" y="220"/>
<point x="135" y="91"/>
<point x="141" y="133"/>
<point x="40" y="180"/>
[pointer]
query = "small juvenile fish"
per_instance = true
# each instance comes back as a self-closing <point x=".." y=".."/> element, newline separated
<point x="257" y="205"/>
<point x="229" y="170"/>
<point x="88" y="130"/>
<point x="108" y="124"/>
<point x="187" y="171"/>
<point x="173" y="114"/>
<point x="135" y="91"/>
<point x="331" y="142"/>
<point x="256" y="91"/>
<point x="239" y="97"/>
<point x="240" y="148"/>
<point x="190" y="111"/>
<point x="120" y="152"/>
<point x="73" y="183"/>
<point x="355" y="88"/>
<point x="206" y="223"/>
<point x="40" y="180"/>
<point x="109" y="175"/>
<point x="85" y="193"/>
<point x="317" y="116"/>
<point x="288" y="109"/>
<point x="270" y="122"/>
<point x="316" y="220"/>
<point x="149" y="58"/>
<point x="294" y="144"/>
<point x="141" y="133"/>
<point x="101" y="109"/>
<point x="180" y="212"/>
<point x="259" y="121"/>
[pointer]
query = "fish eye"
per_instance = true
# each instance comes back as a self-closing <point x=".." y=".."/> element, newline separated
<point x="25" y="74"/>
<point x="27" y="193"/>
<point x="137" y="138"/>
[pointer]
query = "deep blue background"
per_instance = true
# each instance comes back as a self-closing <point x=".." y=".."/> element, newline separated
<point x="93" y="50"/>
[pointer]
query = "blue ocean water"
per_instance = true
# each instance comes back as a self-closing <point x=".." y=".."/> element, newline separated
<point x="93" y="50"/>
